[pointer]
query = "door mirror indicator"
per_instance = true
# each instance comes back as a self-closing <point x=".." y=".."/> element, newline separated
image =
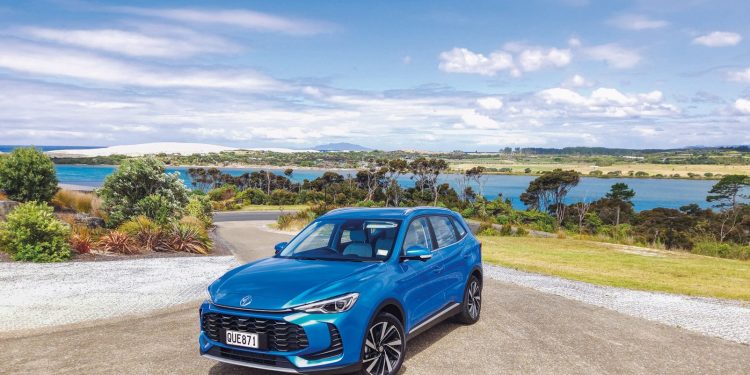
<point x="417" y="253"/>
<point x="280" y="247"/>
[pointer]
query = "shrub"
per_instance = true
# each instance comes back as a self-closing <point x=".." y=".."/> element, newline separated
<point x="521" y="232"/>
<point x="506" y="230"/>
<point x="74" y="200"/>
<point x="722" y="250"/>
<point x="282" y="197"/>
<point x="223" y="193"/>
<point x="252" y="196"/>
<point x="33" y="233"/>
<point x="199" y="206"/>
<point x="158" y="208"/>
<point x="188" y="238"/>
<point x="118" y="242"/>
<point x="27" y="175"/>
<point x="3" y="197"/>
<point x="144" y="231"/>
<point x="81" y="240"/>
<point x="296" y="221"/>
<point x="135" y="180"/>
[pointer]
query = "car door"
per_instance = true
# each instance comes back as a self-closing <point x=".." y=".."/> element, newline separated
<point x="448" y="252"/>
<point x="419" y="280"/>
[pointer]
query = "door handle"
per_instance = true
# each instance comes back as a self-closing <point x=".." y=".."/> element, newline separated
<point x="466" y="254"/>
<point x="437" y="269"/>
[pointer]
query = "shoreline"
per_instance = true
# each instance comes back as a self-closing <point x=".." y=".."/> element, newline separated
<point x="448" y="172"/>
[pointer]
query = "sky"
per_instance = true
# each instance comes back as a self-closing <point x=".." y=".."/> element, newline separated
<point x="419" y="74"/>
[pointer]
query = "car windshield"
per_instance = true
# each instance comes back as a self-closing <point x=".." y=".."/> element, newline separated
<point x="344" y="240"/>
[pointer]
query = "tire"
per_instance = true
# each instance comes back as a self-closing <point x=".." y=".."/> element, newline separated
<point x="384" y="348"/>
<point x="471" y="307"/>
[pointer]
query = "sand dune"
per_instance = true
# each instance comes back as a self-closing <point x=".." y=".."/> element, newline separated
<point x="163" y="147"/>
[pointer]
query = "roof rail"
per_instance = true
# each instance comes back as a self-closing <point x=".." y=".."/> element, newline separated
<point x="340" y="209"/>
<point x="412" y="209"/>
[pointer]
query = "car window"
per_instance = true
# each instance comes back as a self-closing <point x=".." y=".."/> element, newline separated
<point x="417" y="234"/>
<point x="318" y="238"/>
<point x="444" y="232"/>
<point x="459" y="227"/>
<point x="344" y="239"/>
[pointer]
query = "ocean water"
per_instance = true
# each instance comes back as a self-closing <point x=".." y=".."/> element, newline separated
<point x="650" y="193"/>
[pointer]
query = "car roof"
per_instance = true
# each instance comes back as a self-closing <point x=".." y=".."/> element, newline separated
<point x="394" y="213"/>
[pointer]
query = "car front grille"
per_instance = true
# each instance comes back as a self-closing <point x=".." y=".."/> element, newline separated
<point x="336" y="347"/>
<point x="282" y="336"/>
<point x="257" y="358"/>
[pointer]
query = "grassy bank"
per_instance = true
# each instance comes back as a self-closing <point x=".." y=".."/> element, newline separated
<point x="665" y="170"/>
<point x="622" y="266"/>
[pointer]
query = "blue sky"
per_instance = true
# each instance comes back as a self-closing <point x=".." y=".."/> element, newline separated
<point x="434" y="75"/>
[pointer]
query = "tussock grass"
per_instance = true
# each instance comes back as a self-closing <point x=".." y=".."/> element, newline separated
<point x="75" y="200"/>
<point x="622" y="266"/>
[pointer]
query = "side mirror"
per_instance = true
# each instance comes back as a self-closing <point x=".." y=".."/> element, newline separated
<point x="280" y="246"/>
<point x="417" y="253"/>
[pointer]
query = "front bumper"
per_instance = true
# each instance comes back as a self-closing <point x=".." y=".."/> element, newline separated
<point x="317" y="355"/>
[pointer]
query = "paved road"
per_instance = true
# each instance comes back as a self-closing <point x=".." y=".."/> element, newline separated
<point x="245" y="215"/>
<point x="521" y="331"/>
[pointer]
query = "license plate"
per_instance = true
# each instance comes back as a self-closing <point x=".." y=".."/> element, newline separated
<point x="248" y="340"/>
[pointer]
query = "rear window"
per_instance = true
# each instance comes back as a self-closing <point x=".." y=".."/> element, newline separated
<point x="459" y="227"/>
<point x="444" y="232"/>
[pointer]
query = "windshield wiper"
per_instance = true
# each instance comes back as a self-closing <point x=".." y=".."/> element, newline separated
<point x="312" y="258"/>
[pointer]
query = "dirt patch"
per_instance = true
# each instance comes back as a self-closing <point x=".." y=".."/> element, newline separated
<point x="637" y="250"/>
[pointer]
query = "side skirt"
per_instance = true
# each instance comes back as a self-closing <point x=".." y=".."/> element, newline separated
<point x="446" y="312"/>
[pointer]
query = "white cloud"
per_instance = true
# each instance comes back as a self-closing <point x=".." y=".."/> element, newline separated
<point x="233" y="17"/>
<point x="527" y="59"/>
<point x="607" y="102"/>
<point x="741" y="76"/>
<point x="55" y="62"/>
<point x="461" y="60"/>
<point x="479" y="121"/>
<point x="490" y="103"/>
<point x="637" y="22"/>
<point x="718" y="39"/>
<point x="406" y="60"/>
<point x="614" y="55"/>
<point x="742" y="106"/>
<point x="536" y="58"/>
<point x="574" y="42"/>
<point x="130" y="43"/>
<point x="576" y="81"/>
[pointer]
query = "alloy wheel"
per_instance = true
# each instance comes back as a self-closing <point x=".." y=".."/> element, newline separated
<point x="475" y="299"/>
<point x="383" y="348"/>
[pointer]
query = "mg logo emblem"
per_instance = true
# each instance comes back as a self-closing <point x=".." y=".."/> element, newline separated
<point x="246" y="300"/>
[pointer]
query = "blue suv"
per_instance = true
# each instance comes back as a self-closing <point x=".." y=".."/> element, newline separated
<point x="346" y="293"/>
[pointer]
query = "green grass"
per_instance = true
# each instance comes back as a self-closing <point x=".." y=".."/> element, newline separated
<point x="622" y="266"/>
<point x="263" y="207"/>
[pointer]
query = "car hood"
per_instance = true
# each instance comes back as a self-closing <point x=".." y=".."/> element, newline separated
<point x="281" y="283"/>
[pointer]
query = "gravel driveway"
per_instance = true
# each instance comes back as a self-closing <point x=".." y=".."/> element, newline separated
<point x="530" y="324"/>
<point x="727" y="319"/>
<point x="54" y="294"/>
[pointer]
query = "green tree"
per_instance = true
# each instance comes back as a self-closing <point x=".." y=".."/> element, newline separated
<point x="426" y="172"/>
<point x="142" y="187"/>
<point x="726" y="195"/>
<point x="27" y="174"/>
<point x="728" y="190"/>
<point x="548" y="192"/>
<point x="621" y="191"/>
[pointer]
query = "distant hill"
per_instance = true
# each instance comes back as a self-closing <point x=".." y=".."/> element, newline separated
<point x="341" y="147"/>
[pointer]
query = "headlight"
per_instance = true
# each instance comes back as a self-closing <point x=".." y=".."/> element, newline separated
<point x="208" y="296"/>
<point x="330" y="306"/>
